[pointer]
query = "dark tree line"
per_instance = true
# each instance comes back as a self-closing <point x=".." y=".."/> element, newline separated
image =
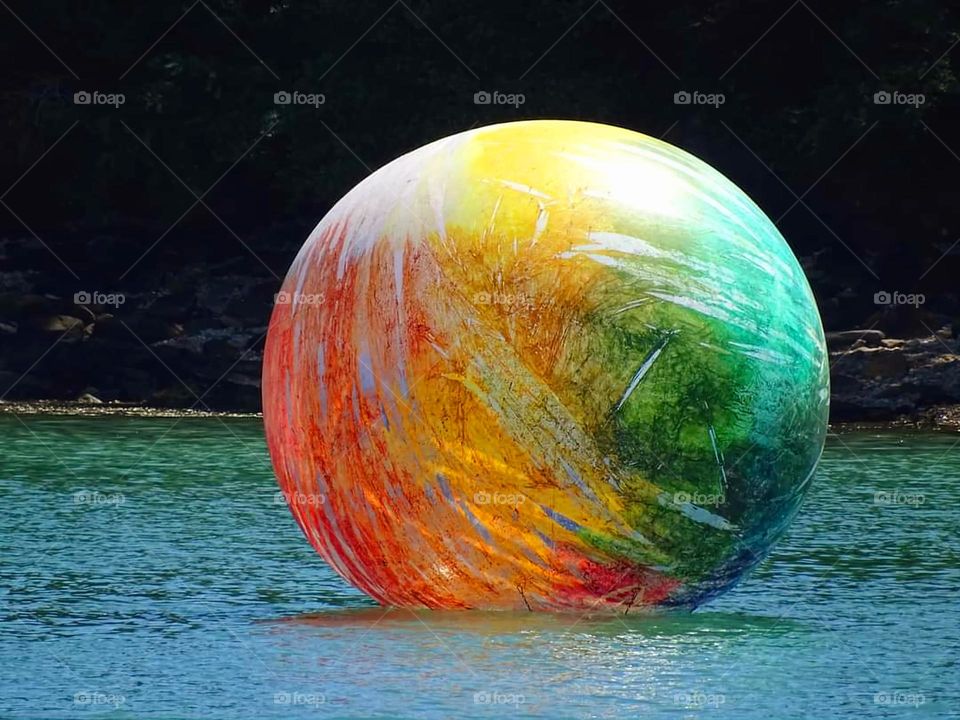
<point x="877" y="183"/>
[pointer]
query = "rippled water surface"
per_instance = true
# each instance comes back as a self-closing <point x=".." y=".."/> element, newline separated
<point x="148" y="571"/>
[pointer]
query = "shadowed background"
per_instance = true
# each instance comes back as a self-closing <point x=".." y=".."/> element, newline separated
<point x="189" y="200"/>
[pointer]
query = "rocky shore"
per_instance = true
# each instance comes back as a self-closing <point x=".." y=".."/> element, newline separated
<point x="195" y="343"/>
<point x="912" y="381"/>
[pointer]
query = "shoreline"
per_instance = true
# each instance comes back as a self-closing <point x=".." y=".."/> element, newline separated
<point x="937" y="419"/>
<point x="81" y="409"/>
<point x="945" y="418"/>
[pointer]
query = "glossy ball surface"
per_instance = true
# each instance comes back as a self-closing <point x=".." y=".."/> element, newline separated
<point x="550" y="365"/>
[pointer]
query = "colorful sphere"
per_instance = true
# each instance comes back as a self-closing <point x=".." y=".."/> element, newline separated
<point x="545" y="365"/>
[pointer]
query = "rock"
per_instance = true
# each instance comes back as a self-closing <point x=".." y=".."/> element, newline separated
<point x="883" y="362"/>
<point x="854" y="409"/>
<point x="223" y="342"/>
<point x="72" y="328"/>
<point x="849" y="338"/>
<point x="201" y="319"/>
<point x="895" y="379"/>
<point x="134" y="325"/>
<point x="59" y="323"/>
<point x="936" y="380"/>
<point x="871" y="362"/>
<point x="927" y="346"/>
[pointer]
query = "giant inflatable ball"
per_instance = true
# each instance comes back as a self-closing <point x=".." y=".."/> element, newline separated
<point x="545" y="365"/>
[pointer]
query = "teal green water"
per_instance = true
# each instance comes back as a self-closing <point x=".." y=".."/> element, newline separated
<point x="148" y="571"/>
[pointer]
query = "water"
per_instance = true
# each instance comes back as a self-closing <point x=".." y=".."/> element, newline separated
<point x="147" y="571"/>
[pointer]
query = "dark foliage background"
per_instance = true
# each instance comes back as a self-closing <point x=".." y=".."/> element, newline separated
<point x="866" y="194"/>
